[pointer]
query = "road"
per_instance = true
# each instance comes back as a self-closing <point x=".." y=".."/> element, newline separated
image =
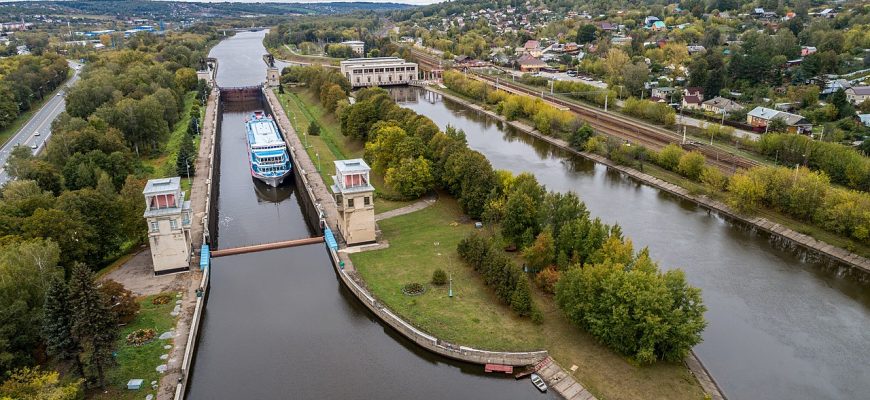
<point x="38" y="129"/>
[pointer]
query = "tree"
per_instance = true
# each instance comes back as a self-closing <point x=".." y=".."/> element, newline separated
<point x="27" y="270"/>
<point x="586" y="33"/>
<point x="34" y="384"/>
<point x="580" y="135"/>
<point x="93" y="323"/>
<point x="185" y="164"/>
<point x="839" y="100"/>
<point x="330" y="95"/>
<point x="76" y="239"/>
<point x="615" y="61"/>
<point x="123" y="301"/>
<point x="669" y="157"/>
<point x="57" y="325"/>
<point x="541" y="254"/>
<point x="186" y="79"/>
<point x="745" y="192"/>
<point x="634" y="309"/>
<point x="313" y="128"/>
<point x="411" y="177"/>
<point x="634" y="76"/>
<point x="691" y="165"/>
<point x="521" y="298"/>
<point x="777" y="125"/>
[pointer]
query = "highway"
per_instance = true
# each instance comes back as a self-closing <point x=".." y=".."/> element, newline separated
<point x="38" y="129"/>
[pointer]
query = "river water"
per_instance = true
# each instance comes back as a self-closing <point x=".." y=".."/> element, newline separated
<point x="279" y="324"/>
<point x="779" y="327"/>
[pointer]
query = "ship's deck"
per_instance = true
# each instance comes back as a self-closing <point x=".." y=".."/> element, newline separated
<point x="263" y="132"/>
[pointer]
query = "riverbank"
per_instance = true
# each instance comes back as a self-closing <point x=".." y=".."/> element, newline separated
<point x="775" y="229"/>
<point x="425" y="240"/>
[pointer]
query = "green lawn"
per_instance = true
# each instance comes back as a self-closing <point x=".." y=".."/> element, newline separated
<point x="425" y="240"/>
<point x="140" y="362"/>
<point x="302" y="108"/>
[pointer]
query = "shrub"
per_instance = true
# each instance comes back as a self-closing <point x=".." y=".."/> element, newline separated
<point x="713" y="178"/>
<point x="161" y="299"/>
<point x="691" y="165"/>
<point x="439" y="277"/>
<point x="413" y="289"/>
<point x="669" y="157"/>
<point x="547" y="280"/>
<point x="141" y="336"/>
<point x="123" y="302"/>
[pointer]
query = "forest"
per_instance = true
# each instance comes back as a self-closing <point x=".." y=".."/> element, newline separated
<point x="78" y="206"/>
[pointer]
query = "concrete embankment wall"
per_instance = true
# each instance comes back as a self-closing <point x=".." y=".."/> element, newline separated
<point x="787" y="237"/>
<point x="308" y="202"/>
<point x="211" y="132"/>
<point x="313" y="183"/>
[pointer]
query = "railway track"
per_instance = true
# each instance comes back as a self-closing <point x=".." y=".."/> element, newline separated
<point x="633" y="131"/>
<point x="647" y="135"/>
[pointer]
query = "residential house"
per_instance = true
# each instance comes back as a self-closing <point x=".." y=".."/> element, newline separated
<point x="760" y="117"/>
<point x="662" y="94"/>
<point x="533" y="48"/>
<point x="858" y="94"/>
<point x="696" y="49"/>
<point x="833" y="86"/>
<point x="607" y="26"/>
<point x="807" y="50"/>
<point x="659" y="26"/>
<point x="828" y="13"/>
<point x="620" y="40"/>
<point x="721" y="105"/>
<point x="650" y="20"/>
<point x="528" y="63"/>
<point x="865" y="119"/>
<point x="692" y="102"/>
<point x="694" y="91"/>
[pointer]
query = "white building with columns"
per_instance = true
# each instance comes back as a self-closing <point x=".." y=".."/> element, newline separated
<point x="378" y="71"/>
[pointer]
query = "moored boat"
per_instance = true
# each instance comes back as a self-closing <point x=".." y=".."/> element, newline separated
<point x="267" y="152"/>
<point x="539" y="383"/>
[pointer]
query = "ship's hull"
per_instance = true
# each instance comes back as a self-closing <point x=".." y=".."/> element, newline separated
<point x="273" y="181"/>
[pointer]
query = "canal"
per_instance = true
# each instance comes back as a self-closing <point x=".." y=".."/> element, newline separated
<point x="780" y="327"/>
<point x="279" y="324"/>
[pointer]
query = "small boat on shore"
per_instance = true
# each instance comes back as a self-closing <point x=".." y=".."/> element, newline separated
<point x="539" y="383"/>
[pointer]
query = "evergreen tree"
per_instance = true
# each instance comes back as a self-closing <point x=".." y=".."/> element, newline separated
<point x="93" y="322"/>
<point x="57" y="324"/>
<point x="184" y="161"/>
<point x="193" y="126"/>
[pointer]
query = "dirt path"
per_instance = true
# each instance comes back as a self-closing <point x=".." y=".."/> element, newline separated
<point x="416" y="206"/>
